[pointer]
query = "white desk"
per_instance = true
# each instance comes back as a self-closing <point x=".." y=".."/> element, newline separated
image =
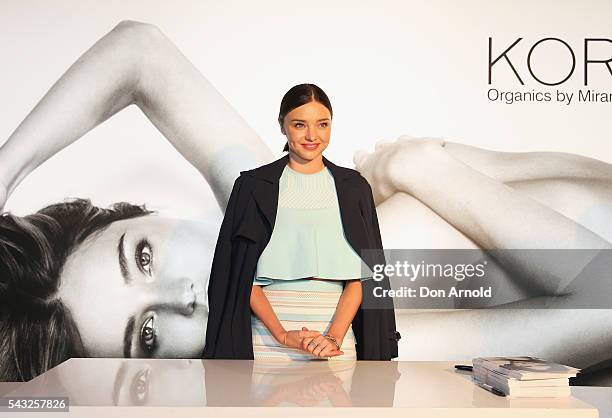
<point x="216" y="388"/>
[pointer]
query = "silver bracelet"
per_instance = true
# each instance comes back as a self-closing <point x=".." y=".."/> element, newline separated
<point x="333" y="340"/>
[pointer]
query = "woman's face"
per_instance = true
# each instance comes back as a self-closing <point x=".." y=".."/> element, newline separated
<point x="306" y="126"/>
<point x="138" y="288"/>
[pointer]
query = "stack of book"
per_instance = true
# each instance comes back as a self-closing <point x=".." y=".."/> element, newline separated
<point x="523" y="377"/>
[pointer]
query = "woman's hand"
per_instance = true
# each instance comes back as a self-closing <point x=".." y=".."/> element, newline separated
<point x="321" y="346"/>
<point x="301" y="339"/>
<point x="295" y="338"/>
<point x="394" y="161"/>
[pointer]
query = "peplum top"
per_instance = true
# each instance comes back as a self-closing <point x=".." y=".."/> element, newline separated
<point x="308" y="238"/>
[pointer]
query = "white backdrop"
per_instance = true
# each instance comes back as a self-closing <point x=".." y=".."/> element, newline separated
<point x="389" y="67"/>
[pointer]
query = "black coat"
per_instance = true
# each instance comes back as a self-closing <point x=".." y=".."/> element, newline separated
<point x="246" y="230"/>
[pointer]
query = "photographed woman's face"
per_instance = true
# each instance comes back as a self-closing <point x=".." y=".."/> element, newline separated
<point x="138" y="288"/>
<point x="307" y="125"/>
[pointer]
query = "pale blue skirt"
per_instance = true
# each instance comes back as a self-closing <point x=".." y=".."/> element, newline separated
<point x="298" y="303"/>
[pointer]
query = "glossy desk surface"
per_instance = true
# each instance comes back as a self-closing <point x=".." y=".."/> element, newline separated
<point x="177" y="388"/>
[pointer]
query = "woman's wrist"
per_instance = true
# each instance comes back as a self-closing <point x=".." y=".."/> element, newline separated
<point x="337" y="342"/>
<point x="12" y="167"/>
<point x="335" y="335"/>
<point x="281" y="337"/>
<point x="3" y="196"/>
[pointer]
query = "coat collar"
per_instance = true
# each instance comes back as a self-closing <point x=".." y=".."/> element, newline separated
<point x="271" y="172"/>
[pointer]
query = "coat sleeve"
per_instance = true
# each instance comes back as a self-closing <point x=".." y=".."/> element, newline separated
<point x="381" y="319"/>
<point x="218" y="283"/>
<point x="374" y="219"/>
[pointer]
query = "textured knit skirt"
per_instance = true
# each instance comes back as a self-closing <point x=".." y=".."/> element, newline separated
<point x="300" y="303"/>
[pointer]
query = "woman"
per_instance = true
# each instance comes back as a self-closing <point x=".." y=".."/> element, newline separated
<point x="147" y="70"/>
<point x="298" y="226"/>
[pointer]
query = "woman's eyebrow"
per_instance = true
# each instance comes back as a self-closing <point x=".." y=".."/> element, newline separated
<point x="122" y="260"/>
<point x="301" y="120"/>
<point x="119" y="382"/>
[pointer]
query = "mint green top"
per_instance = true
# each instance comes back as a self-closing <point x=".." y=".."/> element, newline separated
<point x="308" y="239"/>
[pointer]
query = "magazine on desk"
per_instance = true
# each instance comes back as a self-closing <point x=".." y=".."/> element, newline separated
<point x="525" y="368"/>
<point x="524" y="376"/>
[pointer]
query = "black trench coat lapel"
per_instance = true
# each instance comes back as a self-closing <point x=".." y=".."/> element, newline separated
<point x="246" y="230"/>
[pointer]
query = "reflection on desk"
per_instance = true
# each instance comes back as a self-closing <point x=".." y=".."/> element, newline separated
<point x="390" y="385"/>
<point x="157" y="382"/>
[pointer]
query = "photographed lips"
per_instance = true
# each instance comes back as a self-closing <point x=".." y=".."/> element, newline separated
<point x="310" y="146"/>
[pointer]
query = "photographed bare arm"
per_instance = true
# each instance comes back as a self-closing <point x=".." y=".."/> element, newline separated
<point x="135" y="63"/>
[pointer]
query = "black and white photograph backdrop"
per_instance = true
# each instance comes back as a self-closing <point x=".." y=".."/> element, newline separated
<point x="479" y="125"/>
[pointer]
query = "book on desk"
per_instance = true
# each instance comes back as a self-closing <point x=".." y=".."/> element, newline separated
<point x="524" y="377"/>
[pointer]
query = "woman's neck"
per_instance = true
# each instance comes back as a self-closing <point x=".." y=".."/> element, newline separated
<point x="306" y="166"/>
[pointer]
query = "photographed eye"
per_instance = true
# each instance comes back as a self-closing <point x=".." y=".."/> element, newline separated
<point x="324" y="124"/>
<point x="139" y="389"/>
<point x="144" y="256"/>
<point x="148" y="334"/>
<point x="297" y="125"/>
